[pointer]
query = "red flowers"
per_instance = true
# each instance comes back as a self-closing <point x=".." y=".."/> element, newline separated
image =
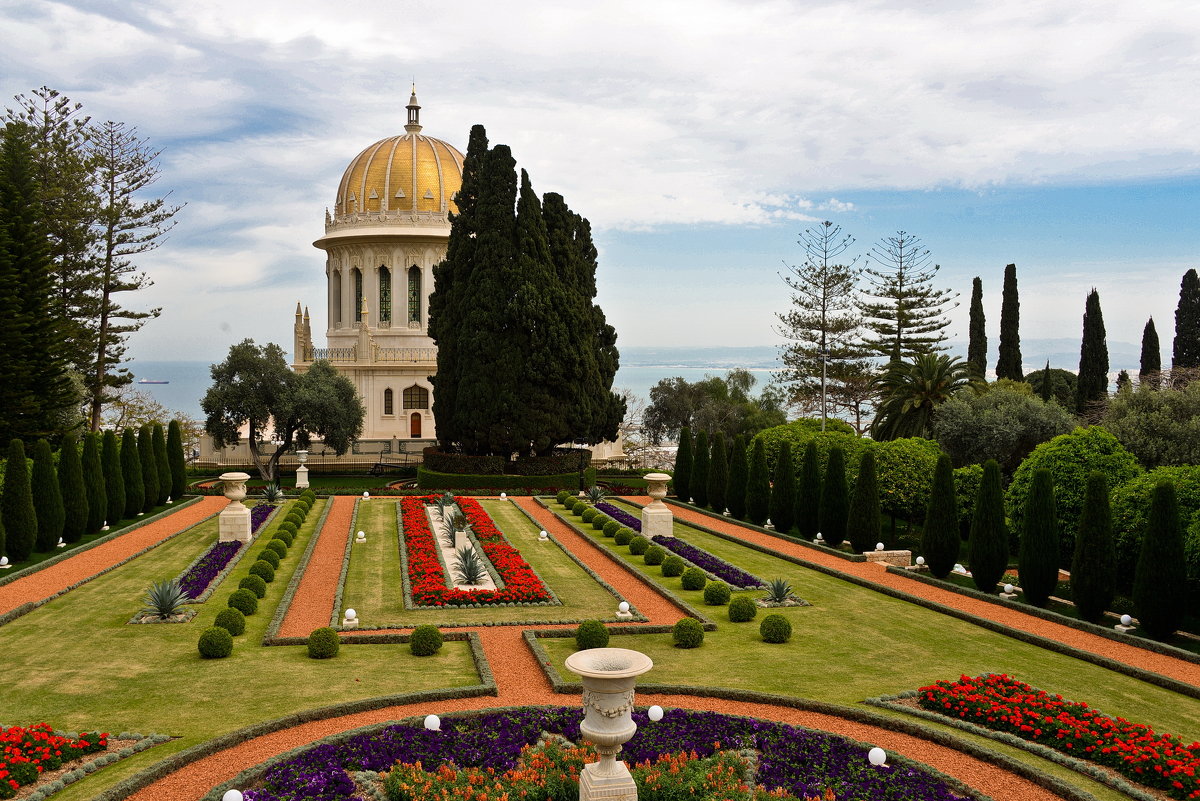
<point x="26" y="753"/>
<point x="428" y="577"/>
<point x="1002" y="703"/>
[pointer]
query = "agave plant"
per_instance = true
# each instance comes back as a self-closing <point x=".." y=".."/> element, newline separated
<point x="448" y="532"/>
<point x="272" y="494"/>
<point x="164" y="599"/>
<point x="778" y="591"/>
<point x="468" y="568"/>
<point x="596" y="494"/>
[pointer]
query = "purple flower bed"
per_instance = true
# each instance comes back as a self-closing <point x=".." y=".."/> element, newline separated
<point x="196" y="580"/>
<point x="800" y="761"/>
<point x="621" y="516"/>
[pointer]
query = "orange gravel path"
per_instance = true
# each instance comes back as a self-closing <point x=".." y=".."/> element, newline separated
<point x="312" y="603"/>
<point x="54" y="579"/>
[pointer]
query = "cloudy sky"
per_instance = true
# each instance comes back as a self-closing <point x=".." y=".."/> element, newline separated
<point x="700" y="138"/>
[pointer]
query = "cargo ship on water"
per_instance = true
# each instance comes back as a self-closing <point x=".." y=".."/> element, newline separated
<point x="152" y="381"/>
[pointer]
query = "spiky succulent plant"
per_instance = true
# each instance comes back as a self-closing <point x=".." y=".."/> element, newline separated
<point x="468" y="567"/>
<point x="778" y="591"/>
<point x="596" y="494"/>
<point x="165" y="599"/>
<point x="272" y="494"/>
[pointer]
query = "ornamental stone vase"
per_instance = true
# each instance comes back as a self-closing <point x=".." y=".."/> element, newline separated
<point x="302" y="470"/>
<point x="656" y="517"/>
<point x="609" y="676"/>
<point x="234" y="522"/>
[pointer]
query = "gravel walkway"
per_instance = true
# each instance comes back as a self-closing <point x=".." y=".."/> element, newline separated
<point x="312" y="603"/>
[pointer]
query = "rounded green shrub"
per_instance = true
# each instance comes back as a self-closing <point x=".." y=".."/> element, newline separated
<point x="717" y="593"/>
<point x="323" y="643"/>
<point x="589" y="514"/>
<point x="255" y="584"/>
<point x="264" y="570"/>
<point x="694" y="579"/>
<point x="611" y="527"/>
<point x="215" y="643"/>
<point x="742" y="609"/>
<point x="278" y="546"/>
<point x="426" y="640"/>
<point x="270" y="557"/>
<point x="775" y="628"/>
<point x="623" y="536"/>
<point x="287" y="536"/>
<point x="638" y="545"/>
<point x="231" y="620"/>
<point x="673" y="566"/>
<point x="687" y="633"/>
<point x="600" y="521"/>
<point x="562" y="496"/>
<point x="591" y="634"/>
<point x="244" y="601"/>
<point x="578" y="507"/>
<point x="295" y="518"/>
<point x="654" y="555"/>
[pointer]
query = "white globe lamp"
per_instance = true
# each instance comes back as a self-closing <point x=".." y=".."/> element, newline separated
<point x="623" y="606"/>
<point x="877" y="756"/>
<point x="920" y="560"/>
<point x="433" y="723"/>
<point x="232" y="795"/>
<point x="1008" y="588"/>
<point x="655" y="713"/>
<point x="1126" y="620"/>
<point x="879" y="546"/>
<point x="351" y="614"/>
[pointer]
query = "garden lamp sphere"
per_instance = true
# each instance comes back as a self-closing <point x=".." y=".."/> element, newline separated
<point x="1008" y="588"/>
<point x="504" y="496"/>
<point x="3" y="560"/>
<point x="877" y="756"/>
<point x="655" y="713"/>
<point x="879" y="546"/>
<point x="351" y="614"/>
<point x="433" y="723"/>
<point x="232" y="795"/>
<point x="920" y="560"/>
<point x="1126" y="620"/>
<point x="623" y="606"/>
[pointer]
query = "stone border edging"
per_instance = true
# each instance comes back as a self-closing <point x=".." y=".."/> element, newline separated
<point x="272" y="633"/>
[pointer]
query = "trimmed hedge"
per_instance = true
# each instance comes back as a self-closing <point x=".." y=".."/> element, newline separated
<point x="654" y="555"/>
<point x="270" y="557"/>
<point x="694" y="579"/>
<point x="611" y="528"/>
<point x="429" y="479"/>
<point x="742" y="609"/>
<point x="638" y="545"/>
<point x="673" y="566"/>
<point x="717" y="593"/>
<point x="244" y="601"/>
<point x="278" y="546"/>
<point x="426" y="640"/>
<point x="215" y="643"/>
<point x="591" y="634"/>
<point x="231" y="620"/>
<point x="323" y="643"/>
<point x="255" y="584"/>
<point x="264" y="570"/>
<point x="687" y="633"/>
<point x="623" y="536"/>
<point x="775" y="628"/>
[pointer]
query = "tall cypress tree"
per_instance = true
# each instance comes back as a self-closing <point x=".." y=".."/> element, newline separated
<point x="1094" y="566"/>
<point x="758" y="485"/>
<point x="72" y="489"/>
<point x="682" y="478"/>
<point x="977" y="333"/>
<point x="835" y="498"/>
<point x="940" y="540"/>
<point x="862" y="521"/>
<point x="176" y="460"/>
<point x="1150" y="374"/>
<point x="700" y="468"/>
<point x="1160" y="580"/>
<point x="783" y="490"/>
<point x="94" y="483"/>
<point x="988" y="546"/>
<point x="16" y="506"/>
<point x="718" y="473"/>
<point x="145" y="446"/>
<point x="159" y="443"/>
<point x="1047" y="386"/>
<point x="1093" y="357"/>
<point x="1185" y="351"/>
<point x="114" y="479"/>
<point x="1038" y="565"/>
<point x="807" y="512"/>
<point x="131" y="474"/>
<point x="739" y="473"/>
<point x="47" y="498"/>
<point x="1008" y="365"/>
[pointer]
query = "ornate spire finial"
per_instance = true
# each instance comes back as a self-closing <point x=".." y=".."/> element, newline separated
<point x="414" y="113"/>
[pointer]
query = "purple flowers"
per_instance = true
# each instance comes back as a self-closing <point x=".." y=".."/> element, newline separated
<point x="621" y="516"/>
<point x="196" y="580"/>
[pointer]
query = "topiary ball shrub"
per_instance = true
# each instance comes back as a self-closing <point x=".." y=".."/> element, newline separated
<point x="244" y="601"/>
<point x="673" y="566"/>
<point x="638" y="545"/>
<point x="775" y="628"/>
<point x="717" y="593"/>
<point x="278" y="546"/>
<point x="323" y="643"/>
<point x="295" y="518"/>
<point x="623" y="536"/>
<point x="687" y="633"/>
<point x="426" y="640"/>
<point x="562" y="496"/>
<point x="742" y="609"/>
<point x="600" y="521"/>
<point x="589" y="514"/>
<point x="231" y="620"/>
<point x="255" y="584"/>
<point x="215" y="643"/>
<point x="287" y="527"/>
<point x="264" y="570"/>
<point x="578" y="508"/>
<point x="611" y="527"/>
<point x="270" y="557"/>
<point x="694" y="579"/>
<point x="285" y="536"/>
<point x="654" y="555"/>
<point x="591" y="634"/>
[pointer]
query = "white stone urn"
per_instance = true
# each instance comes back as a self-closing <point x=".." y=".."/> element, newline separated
<point x="656" y="517"/>
<point x="234" y="521"/>
<point x="609" y="676"/>
<point x="302" y="471"/>
<point x="235" y="486"/>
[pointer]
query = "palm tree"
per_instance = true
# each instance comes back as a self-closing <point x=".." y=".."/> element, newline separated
<point x="912" y="390"/>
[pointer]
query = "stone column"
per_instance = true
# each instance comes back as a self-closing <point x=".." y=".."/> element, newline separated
<point x="234" y="521"/>
<point x="656" y="517"/>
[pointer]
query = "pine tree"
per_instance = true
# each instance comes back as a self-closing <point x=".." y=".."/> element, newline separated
<point x="145" y="446"/>
<point x="940" y="540"/>
<point x="1008" y="365"/>
<point x="1150" y="374"/>
<point x="94" y="483"/>
<point x="114" y="480"/>
<point x="977" y="333"/>
<point x="1160" y="580"/>
<point x="1047" y="386"/>
<point x="718" y="473"/>
<point x="783" y="490"/>
<point x="16" y="506"/>
<point x="835" y="499"/>
<point x="72" y="490"/>
<point x="739" y="475"/>
<point x="807" y="511"/>
<point x="131" y="474"/>
<point x="1093" y="357"/>
<point x="176" y="460"/>
<point x="682" y="478"/>
<point x="1124" y="381"/>
<point x="908" y="316"/>
<point x="988" y="545"/>
<point x="159" y="444"/>
<point x="1185" y="351"/>
<point x="47" y="498"/>
<point x="1038" y="560"/>
<point x="862" y="521"/>
<point x="758" y="485"/>
<point x="1093" y="568"/>
<point x="700" y="468"/>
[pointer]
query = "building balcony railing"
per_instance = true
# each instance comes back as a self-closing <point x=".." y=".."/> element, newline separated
<point x="406" y="355"/>
<point x="349" y="354"/>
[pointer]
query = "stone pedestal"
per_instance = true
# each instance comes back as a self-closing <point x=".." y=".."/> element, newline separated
<point x="302" y="471"/>
<point x="656" y="517"/>
<point x="1008" y="596"/>
<point x="1124" y="629"/>
<point x="234" y="521"/>
<point x="897" y="558"/>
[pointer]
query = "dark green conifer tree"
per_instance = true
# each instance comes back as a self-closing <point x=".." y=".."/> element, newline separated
<point x="1124" y="381"/>
<point x="159" y="443"/>
<point x="1047" y="386"/>
<point x="940" y="540"/>
<point x="739" y="473"/>
<point x="1160" y="580"/>
<point x="783" y="490"/>
<point x="145" y="446"/>
<point x="176" y="460"/>
<point x="977" y="333"/>
<point x="758" y="485"/>
<point x="131" y="473"/>
<point x="718" y="473"/>
<point x="1150" y="374"/>
<point x="682" y="478"/>
<point x="1093" y="568"/>
<point x="1038" y="560"/>
<point x="988" y="545"/>
<point x="807" y="511"/>
<point x="1185" y="350"/>
<point x="94" y="483"/>
<point x="16" y="506"/>
<point x="1093" y="357"/>
<point x="114" y="479"/>
<point x="835" y="499"/>
<point x="1008" y="365"/>
<point x="47" y="498"/>
<point x="700" y="468"/>
<point x="72" y="489"/>
<point x="862" y="521"/>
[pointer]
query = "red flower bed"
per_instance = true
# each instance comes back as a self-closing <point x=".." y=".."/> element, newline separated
<point x="1002" y="703"/>
<point x="428" y="578"/>
<point x="25" y="753"/>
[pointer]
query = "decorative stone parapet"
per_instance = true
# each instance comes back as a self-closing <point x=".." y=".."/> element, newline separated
<point x="897" y="558"/>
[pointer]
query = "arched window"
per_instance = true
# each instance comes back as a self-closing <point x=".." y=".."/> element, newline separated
<point x="414" y="294"/>
<point x="335" y="297"/>
<point x="416" y="397"/>
<point x="387" y="402"/>
<point x="385" y="294"/>
<point x="357" y="295"/>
